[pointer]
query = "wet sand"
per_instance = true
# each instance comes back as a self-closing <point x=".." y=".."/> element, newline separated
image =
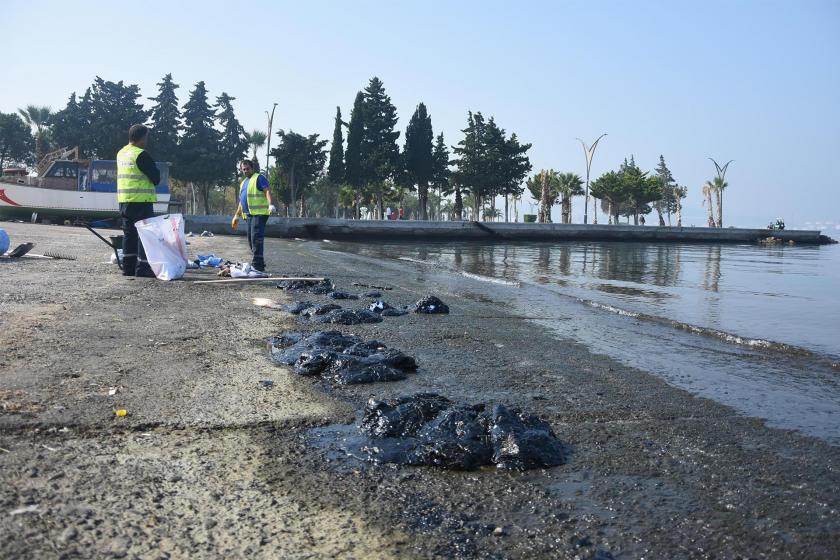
<point x="210" y="463"/>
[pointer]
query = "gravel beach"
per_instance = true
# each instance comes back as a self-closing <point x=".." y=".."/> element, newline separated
<point x="212" y="463"/>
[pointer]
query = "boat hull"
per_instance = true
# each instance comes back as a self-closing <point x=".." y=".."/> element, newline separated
<point x="22" y="201"/>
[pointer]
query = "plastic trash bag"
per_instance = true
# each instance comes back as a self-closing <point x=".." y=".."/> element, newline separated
<point x="119" y="256"/>
<point x="165" y="245"/>
<point x="209" y="260"/>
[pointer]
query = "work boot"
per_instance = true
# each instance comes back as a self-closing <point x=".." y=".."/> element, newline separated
<point x="144" y="271"/>
<point x="129" y="266"/>
<point x="258" y="266"/>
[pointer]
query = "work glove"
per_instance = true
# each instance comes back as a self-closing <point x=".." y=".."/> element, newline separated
<point x="234" y="222"/>
<point x="272" y="209"/>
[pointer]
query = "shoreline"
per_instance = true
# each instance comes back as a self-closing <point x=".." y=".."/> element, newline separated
<point x="415" y="230"/>
<point x="224" y="467"/>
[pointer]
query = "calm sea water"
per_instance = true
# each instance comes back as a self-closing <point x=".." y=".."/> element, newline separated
<point x="757" y="328"/>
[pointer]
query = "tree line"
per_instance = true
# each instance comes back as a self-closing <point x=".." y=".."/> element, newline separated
<point x="364" y="170"/>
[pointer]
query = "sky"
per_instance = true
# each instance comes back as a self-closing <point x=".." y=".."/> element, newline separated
<point x="756" y="82"/>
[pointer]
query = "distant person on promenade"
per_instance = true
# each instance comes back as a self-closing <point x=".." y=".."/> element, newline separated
<point x="402" y="213"/>
<point x="137" y="176"/>
<point x="642" y="220"/>
<point x="255" y="205"/>
<point x="388" y="213"/>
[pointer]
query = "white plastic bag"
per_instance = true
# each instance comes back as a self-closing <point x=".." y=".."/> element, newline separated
<point x="165" y="245"/>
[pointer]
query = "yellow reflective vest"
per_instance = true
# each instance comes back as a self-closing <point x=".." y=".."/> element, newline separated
<point x="257" y="199"/>
<point x="132" y="184"/>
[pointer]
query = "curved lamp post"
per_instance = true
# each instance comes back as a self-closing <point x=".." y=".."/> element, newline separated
<point x="589" y="152"/>
<point x="268" y="147"/>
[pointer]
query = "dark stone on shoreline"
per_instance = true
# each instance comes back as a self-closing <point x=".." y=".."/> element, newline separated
<point x="342" y="295"/>
<point x="430" y="305"/>
<point x="428" y="429"/>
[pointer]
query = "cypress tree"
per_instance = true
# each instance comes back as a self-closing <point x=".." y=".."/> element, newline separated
<point x="166" y="120"/>
<point x="440" y="169"/>
<point x="335" y="171"/>
<point x="418" y="154"/>
<point x="354" y="174"/>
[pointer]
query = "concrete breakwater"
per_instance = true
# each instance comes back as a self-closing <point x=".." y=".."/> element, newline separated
<point x="330" y="228"/>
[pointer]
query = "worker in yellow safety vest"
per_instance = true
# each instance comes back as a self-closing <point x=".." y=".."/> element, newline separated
<point x="137" y="176"/>
<point x="255" y="205"/>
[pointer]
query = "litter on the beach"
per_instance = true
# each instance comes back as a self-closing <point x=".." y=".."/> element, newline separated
<point x="245" y="270"/>
<point x="19" y="251"/>
<point x="209" y="260"/>
<point x="25" y="509"/>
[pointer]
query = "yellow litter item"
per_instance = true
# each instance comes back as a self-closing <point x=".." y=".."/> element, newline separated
<point x="121" y="412"/>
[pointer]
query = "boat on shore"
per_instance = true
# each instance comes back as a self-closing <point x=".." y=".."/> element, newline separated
<point x="69" y="188"/>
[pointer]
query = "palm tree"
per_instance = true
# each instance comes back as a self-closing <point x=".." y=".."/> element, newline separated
<point x="569" y="185"/>
<point x="679" y="194"/>
<point x="708" y="189"/>
<point x="719" y="185"/>
<point x="256" y="139"/>
<point x="38" y="119"/>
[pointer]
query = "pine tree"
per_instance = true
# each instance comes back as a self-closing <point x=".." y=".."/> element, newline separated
<point x="233" y="144"/>
<point x="666" y="204"/>
<point x="166" y="120"/>
<point x="200" y="160"/>
<point x="514" y="167"/>
<point x="114" y="108"/>
<point x="380" y="153"/>
<point x="419" y="159"/>
<point x="354" y="173"/>
<point x="335" y="172"/>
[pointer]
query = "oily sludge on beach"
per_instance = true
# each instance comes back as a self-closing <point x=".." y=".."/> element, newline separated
<point x="429" y="429"/>
<point x="342" y="359"/>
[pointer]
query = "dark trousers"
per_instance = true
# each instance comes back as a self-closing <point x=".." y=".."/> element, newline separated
<point x="256" y="240"/>
<point x="134" y="257"/>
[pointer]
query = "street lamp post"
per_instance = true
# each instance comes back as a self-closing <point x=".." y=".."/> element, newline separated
<point x="589" y="152"/>
<point x="721" y="173"/>
<point x="268" y="146"/>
